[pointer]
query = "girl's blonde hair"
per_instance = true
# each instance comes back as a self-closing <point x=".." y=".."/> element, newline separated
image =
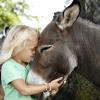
<point x="16" y="37"/>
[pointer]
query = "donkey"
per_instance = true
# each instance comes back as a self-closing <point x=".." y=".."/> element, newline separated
<point x="66" y="43"/>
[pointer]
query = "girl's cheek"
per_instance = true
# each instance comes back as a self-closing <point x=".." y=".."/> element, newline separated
<point x="31" y="53"/>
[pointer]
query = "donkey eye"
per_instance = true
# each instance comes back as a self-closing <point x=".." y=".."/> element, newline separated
<point x="45" y="48"/>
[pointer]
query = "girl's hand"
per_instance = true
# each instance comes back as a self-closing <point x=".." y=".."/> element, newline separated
<point x="55" y="84"/>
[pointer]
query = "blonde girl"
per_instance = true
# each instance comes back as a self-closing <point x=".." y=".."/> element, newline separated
<point x="17" y="51"/>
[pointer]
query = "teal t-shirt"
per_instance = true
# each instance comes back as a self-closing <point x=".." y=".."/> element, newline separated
<point x="11" y="70"/>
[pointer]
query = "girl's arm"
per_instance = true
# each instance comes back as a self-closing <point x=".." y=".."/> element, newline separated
<point x="25" y="89"/>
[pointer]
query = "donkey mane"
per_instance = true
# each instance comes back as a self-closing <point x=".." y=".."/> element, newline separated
<point x="89" y="24"/>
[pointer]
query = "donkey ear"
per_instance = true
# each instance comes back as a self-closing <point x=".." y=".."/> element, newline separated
<point x="70" y="14"/>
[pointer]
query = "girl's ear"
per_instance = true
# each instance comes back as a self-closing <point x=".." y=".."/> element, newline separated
<point x="68" y="17"/>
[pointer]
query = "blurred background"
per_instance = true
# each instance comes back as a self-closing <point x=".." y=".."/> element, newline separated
<point x="38" y="13"/>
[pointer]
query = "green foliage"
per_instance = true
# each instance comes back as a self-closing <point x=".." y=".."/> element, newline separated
<point x="81" y="89"/>
<point x="10" y="11"/>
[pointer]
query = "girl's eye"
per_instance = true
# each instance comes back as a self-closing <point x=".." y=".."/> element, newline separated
<point x="32" y="49"/>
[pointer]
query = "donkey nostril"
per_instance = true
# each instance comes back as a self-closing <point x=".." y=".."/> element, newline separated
<point x="45" y="48"/>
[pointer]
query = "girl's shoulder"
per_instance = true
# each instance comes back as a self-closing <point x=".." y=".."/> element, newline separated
<point x="7" y="63"/>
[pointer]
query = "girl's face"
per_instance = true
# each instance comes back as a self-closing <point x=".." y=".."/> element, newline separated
<point x="27" y="53"/>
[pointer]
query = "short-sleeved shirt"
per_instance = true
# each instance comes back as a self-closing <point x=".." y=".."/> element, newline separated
<point x="11" y="70"/>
